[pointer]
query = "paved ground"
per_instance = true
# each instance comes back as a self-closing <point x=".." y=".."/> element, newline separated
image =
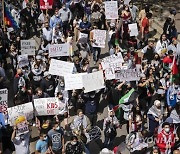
<point x="95" y="147"/>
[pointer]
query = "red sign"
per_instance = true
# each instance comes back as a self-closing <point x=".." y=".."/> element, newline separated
<point x="46" y="4"/>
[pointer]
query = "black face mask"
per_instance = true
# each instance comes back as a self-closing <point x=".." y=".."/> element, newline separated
<point x="61" y="98"/>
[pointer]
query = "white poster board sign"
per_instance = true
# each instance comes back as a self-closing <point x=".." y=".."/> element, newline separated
<point x="3" y="100"/>
<point x="22" y="128"/>
<point x="25" y="110"/>
<point x="133" y="29"/>
<point x="111" y="10"/>
<point x="128" y="75"/>
<point x="93" y="81"/>
<point x="60" y="68"/>
<point x="110" y="72"/>
<point x="100" y="38"/>
<point x="56" y="50"/>
<point x="115" y="59"/>
<point x="46" y="106"/>
<point x="73" y="81"/>
<point x="28" y="47"/>
<point x="83" y="37"/>
<point x="23" y="61"/>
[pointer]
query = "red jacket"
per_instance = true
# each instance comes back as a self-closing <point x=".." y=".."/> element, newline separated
<point x="163" y="139"/>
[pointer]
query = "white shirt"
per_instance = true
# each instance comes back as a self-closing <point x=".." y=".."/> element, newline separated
<point x="47" y="34"/>
<point x="63" y="106"/>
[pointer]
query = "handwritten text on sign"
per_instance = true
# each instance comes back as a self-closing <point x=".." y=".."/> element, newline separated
<point x="3" y="100"/>
<point x="127" y="75"/>
<point x="56" y="50"/>
<point x="46" y="106"/>
<point x="60" y="68"/>
<point x="111" y="10"/>
<point x="100" y="38"/>
<point x="25" y="110"/>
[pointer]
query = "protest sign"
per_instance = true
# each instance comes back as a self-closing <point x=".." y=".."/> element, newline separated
<point x="111" y="10"/>
<point x="113" y="60"/>
<point x="110" y="72"/>
<point x="22" y="128"/>
<point x="25" y="110"/>
<point x="28" y="47"/>
<point x="46" y="4"/>
<point x="73" y="81"/>
<point x="23" y="61"/>
<point x="100" y="38"/>
<point x="46" y="106"/>
<point x="56" y="50"/>
<point x="83" y="37"/>
<point x="60" y="68"/>
<point x="93" y="81"/>
<point x="3" y="100"/>
<point x="133" y="29"/>
<point x="127" y="75"/>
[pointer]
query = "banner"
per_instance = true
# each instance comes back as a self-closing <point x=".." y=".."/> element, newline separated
<point x="100" y="38"/>
<point x="111" y="10"/>
<point x="93" y="81"/>
<point x="46" y="4"/>
<point x="73" y="81"/>
<point x="56" y="50"/>
<point x="25" y="110"/>
<point x="127" y="75"/>
<point x="133" y="29"/>
<point x="28" y="47"/>
<point x="112" y="61"/>
<point x="23" y="61"/>
<point x="3" y="100"/>
<point x="46" y="106"/>
<point x="60" y="68"/>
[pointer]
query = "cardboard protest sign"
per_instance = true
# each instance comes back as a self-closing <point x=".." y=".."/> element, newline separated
<point x="60" y="68"/>
<point x="22" y="128"/>
<point x="46" y="106"/>
<point x="73" y="81"/>
<point x="3" y="100"/>
<point x="100" y="38"/>
<point x="25" y="110"/>
<point x="28" y="47"/>
<point x="56" y="50"/>
<point x="46" y="4"/>
<point x="93" y="81"/>
<point x="133" y="29"/>
<point x="127" y="75"/>
<point x="23" y="61"/>
<point x="111" y="10"/>
<point x="112" y="61"/>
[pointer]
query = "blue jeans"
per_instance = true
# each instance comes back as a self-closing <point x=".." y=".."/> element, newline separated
<point x="94" y="51"/>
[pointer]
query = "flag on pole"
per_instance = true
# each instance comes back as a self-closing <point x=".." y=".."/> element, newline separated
<point x="127" y="98"/>
<point x="8" y="18"/>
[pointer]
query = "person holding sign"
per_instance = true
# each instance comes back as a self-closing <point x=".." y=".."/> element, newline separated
<point x="95" y="49"/>
<point x="21" y="141"/>
<point x="63" y="109"/>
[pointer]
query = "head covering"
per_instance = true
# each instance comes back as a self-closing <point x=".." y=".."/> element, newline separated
<point x="169" y="120"/>
<point x="46" y="74"/>
<point x="157" y="103"/>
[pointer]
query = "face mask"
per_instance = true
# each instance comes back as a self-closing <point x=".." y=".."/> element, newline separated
<point x="45" y="138"/>
<point x="73" y="142"/>
<point x="61" y="98"/>
<point x="62" y="84"/>
<point x="64" y="8"/>
<point x="36" y="69"/>
<point x="58" y="128"/>
<point x="167" y="130"/>
<point x="92" y="96"/>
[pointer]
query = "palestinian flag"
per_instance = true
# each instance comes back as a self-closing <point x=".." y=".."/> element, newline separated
<point x="8" y="18"/>
<point x="174" y="70"/>
<point x="127" y="98"/>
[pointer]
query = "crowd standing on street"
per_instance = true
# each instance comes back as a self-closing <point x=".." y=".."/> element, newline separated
<point x="149" y="107"/>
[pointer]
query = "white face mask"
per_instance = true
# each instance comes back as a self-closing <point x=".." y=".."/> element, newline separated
<point x="45" y="138"/>
<point x="167" y="130"/>
<point x="73" y="142"/>
<point x="58" y="128"/>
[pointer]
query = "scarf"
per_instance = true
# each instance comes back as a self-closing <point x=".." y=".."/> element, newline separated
<point x="80" y="121"/>
<point x="154" y="111"/>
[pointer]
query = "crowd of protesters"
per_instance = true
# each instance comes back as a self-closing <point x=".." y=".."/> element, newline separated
<point x="154" y="114"/>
